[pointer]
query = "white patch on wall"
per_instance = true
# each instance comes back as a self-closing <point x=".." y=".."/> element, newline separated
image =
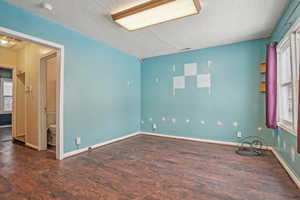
<point x="235" y="124"/>
<point x="188" y="120"/>
<point x="129" y="83"/>
<point x="178" y="83"/>
<point x="209" y="63"/>
<point x="219" y="123"/>
<point x="174" y="120"/>
<point x="293" y="154"/>
<point x="150" y="119"/>
<point x="174" y="68"/>
<point x="157" y="80"/>
<point x="203" y="81"/>
<point x="259" y="128"/>
<point x="163" y="119"/>
<point x="154" y="126"/>
<point x="284" y="145"/>
<point x="202" y="122"/>
<point x="190" y="69"/>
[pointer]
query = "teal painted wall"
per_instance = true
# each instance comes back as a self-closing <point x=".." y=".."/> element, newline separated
<point x="234" y="96"/>
<point x="285" y="142"/>
<point x="99" y="105"/>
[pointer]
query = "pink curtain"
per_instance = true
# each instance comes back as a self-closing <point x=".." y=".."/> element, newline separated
<point x="271" y="86"/>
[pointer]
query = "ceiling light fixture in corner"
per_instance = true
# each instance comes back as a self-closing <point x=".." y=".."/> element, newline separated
<point x="155" y="12"/>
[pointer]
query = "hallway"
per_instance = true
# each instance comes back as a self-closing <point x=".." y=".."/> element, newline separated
<point x="5" y="134"/>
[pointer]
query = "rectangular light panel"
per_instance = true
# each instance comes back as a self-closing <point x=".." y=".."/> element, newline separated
<point x="155" y="12"/>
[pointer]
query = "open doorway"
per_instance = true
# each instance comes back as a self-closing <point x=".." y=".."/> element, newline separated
<point x="36" y="96"/>
<point x="6" y="99"/>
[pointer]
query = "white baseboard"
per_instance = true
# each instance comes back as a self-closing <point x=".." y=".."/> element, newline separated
<point x="199" y="140"/>
<point x="32" y="146"/>
<point x="78" y="151"/>
<point x="286" y="167"/>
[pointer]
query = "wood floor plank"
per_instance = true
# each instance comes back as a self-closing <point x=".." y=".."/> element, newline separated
<point x="143" y="168"/>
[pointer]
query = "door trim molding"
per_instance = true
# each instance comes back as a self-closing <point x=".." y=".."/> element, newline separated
<point x="60" y="82"/>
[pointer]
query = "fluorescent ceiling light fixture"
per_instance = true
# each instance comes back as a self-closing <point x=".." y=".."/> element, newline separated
<point x="155" y="12"/>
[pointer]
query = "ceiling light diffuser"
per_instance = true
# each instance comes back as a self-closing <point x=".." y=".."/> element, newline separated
<point x="155" y="12"/>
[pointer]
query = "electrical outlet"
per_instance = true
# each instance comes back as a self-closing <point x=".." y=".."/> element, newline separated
<point x="239" y="134"/>
<point x="78" y="140"/>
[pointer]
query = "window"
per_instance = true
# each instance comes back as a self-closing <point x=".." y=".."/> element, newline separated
<point x="6" y="95"/>
<point x="288" y="62"/>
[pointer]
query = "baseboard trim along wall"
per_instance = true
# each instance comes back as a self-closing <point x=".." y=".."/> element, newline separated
<point x="32" y="146"/>
<point x="286" y="167"/>
<point x="199" y="140"/>
<point x="78" y="151"/>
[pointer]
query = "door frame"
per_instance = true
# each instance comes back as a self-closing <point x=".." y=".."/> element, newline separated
<point x="60" y="83"/>
<point x="43" y="98"/>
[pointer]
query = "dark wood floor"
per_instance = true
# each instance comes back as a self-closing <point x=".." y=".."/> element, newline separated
<point x="143" y="167"/>
<point x="5" y="134"/>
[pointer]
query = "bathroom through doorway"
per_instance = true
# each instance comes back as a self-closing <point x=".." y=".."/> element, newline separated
<point x="48" y="99"/>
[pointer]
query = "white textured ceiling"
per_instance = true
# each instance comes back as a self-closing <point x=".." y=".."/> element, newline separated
<point x="220" y="22"/>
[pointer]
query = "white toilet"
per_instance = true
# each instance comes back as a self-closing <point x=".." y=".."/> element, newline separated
<point x="52" y="135"/>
